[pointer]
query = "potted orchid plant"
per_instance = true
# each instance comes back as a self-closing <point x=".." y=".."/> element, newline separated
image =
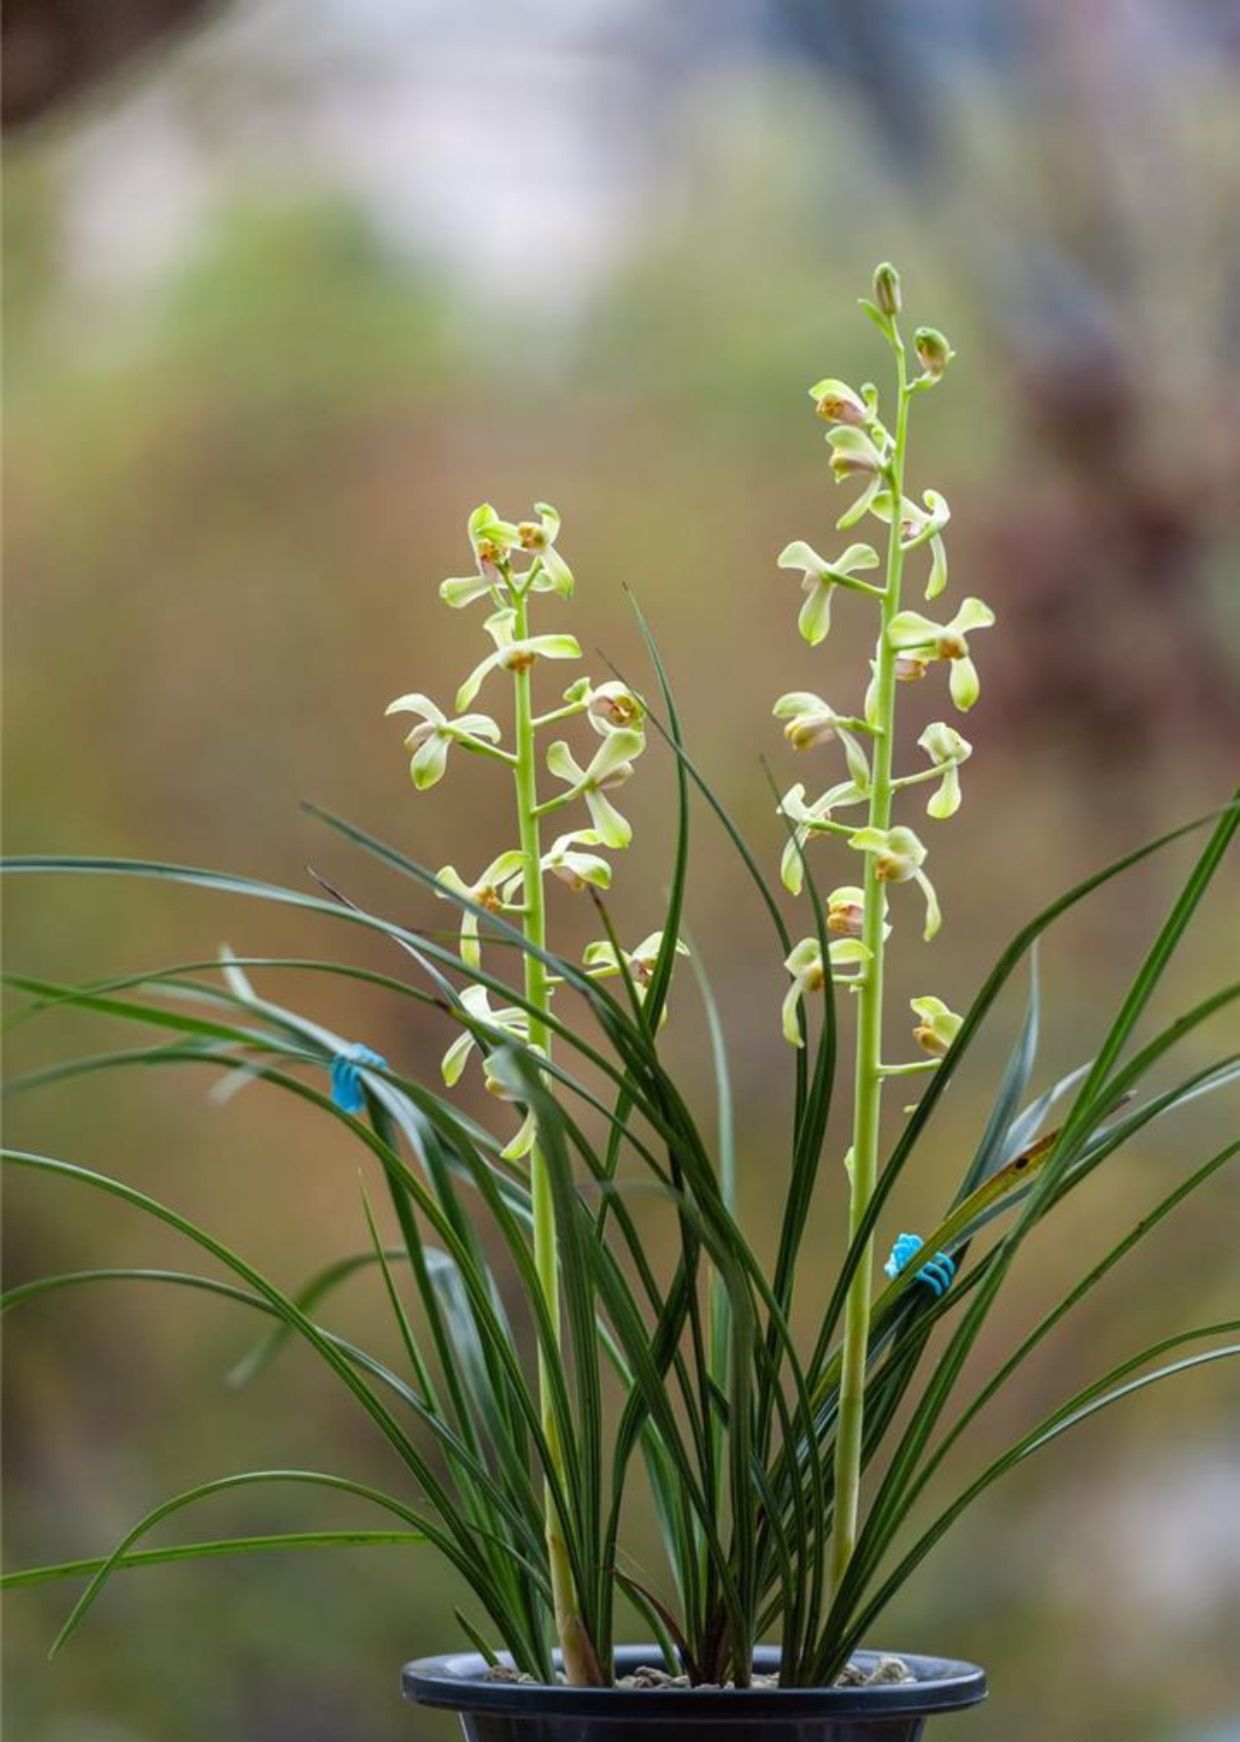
<point x="787" y="1480"/>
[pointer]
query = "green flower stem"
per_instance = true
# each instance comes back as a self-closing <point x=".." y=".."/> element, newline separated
<point x="863" y="1173"/>
<point x="910" y="1070"/>
<point x="824" y="826"/>
<point x="578" y="1658"/>
<point x="569" y="712"/>
<point x="936" y="771"/>
<point x="476" y="747"/>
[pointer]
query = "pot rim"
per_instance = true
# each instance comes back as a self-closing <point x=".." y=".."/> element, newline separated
<point x="456" y="1682"/>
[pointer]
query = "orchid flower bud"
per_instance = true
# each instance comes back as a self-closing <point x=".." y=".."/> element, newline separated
<point x="431" y="741"/>
<point x="898" y="858"/>
<point x="805" y="964"/>
<point x="818" y="578"/>
<point x="512" y="654"/>
<point x="887" y="289"/>
<point x="933" y="351"/>
<point x="836" y="402"/>
<point x="611" y="765"/>
<point x="487" y="892"/>
<point x="938" y="1027"/>
<point x="947" y="750"/>
<point x="909" y="631"/>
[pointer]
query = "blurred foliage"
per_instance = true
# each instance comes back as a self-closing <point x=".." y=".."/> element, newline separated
<point x="231" y="494"/>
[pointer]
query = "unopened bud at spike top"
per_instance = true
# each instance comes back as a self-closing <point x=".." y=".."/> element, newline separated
<point x="887" y="289"/>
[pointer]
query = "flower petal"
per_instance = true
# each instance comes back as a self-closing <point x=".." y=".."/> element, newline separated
<point x="461" y="590"/>
<point x="938" y="568"/>
<point x="799" y="555"/>
<point x="934" y="917"/>
<point x="417" y="704"/>
<point x="473" y="683"/>
<point x="617" y="748"/>
<point x="428" y="765"/>
<point x="964" y="683"/>
<point x="614" y="830"/>
<point x="973" y="614"/>
<point x="563" y="764"/>
<point x="814" y="620"/>
<point x="455" y="1059"/>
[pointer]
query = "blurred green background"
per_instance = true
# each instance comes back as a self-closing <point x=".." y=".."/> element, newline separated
<point x="288" y="295"/>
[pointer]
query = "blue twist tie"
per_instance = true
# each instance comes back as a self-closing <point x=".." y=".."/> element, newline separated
<point x="937" y="1275"/>
<point x="347" y="1090"/>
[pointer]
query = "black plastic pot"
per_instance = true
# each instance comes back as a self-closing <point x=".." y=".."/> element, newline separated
<point x="496" y="1711"/>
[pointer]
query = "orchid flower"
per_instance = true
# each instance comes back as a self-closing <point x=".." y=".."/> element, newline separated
<point x="920" y="526"/>
<point x="938" y="1027"/>
<point x="502" y="1082"/>
<point x="509" y="1021"/>
<point x="431" y="741"/>
<point x="492" y="539"/>
<point x="898" y="858"/>
<point x="603" y="962"/>
<point x="575" y="868"/>
<point x="846" y="912"/>
<point x="513" y="655"/>
<point x="611" y="765"/>
<point x="836" y="402"/>
<point x="819" y="577"/>
<point x="612" y="706"/>
<point x="910" y="631"/>
<point x="809" y="819"/>
<point x="947" y="750"/>
<point x="811" y="722"/>
<point x="487" y="893"/>
<point x="808" y="975"/>
<point x="549" y="572"/>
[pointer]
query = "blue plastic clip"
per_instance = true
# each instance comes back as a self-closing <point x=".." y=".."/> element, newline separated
<point x="346" y="1076"/>
<point x="938" y="1274"/>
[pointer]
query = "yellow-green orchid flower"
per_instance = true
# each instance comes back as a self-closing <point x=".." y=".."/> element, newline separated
<point x="909" y="631"/>
<point x="602" y="961"/>
<point x="805" y="964"/>
<point x="488" y="892"/>
<point x="505" y="1085"/>
<point x="506" y="1022"/>
<point x="492" y="539"/>
<point x="938" y="1026"/>
<point x="549" y="573"/>
<point x="513" y="655"/>
<point x="431" y="741"/>
<point x="811" y="721"/>
<point x="819" y="578"/>
<point x="898" y="858"/>
<point x="836" y="402"/>
<point x="575" y="868"/>
<point x="610" y="766"/>
<point x="810" y="819"/>
<point x="947" y="750"/>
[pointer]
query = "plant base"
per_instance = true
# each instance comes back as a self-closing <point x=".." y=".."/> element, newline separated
<point x="500" y="1711"/>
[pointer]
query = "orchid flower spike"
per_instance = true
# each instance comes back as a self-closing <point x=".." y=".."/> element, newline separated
<point x="506" y="1022"/>
<point x="805" y="964"/>
<point x="947" y="750"/>
<point x="514" y="655"/>
<point x="575" y="868"/>
<point x="488" y="892"/>
<point x="549" y="573"/>
<point x="611" y="765"/>
<point x="604" y="963"/>
<point x="909" y="631"/>
<point x="818" y="578"/>
<point x="431" y="741"/>
<point x="810" y="819"/>
<point x="898" y="858"/>
<point x="492" y="539"/>
<point x="937" y="1027"/>
<point x="811" y="722"/>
